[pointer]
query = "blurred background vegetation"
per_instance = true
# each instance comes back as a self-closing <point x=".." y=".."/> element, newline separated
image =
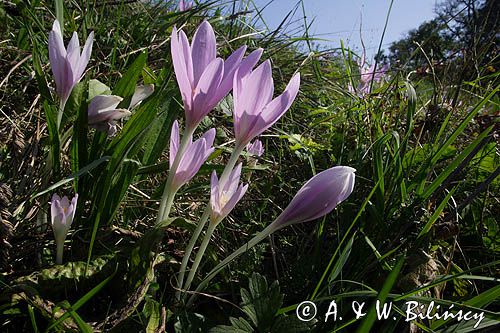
<point x="424" y="143"/>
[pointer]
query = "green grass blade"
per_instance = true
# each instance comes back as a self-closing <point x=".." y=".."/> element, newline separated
<point x="465" y="156"/>
<point x="436" y="214"/>
<point x="81" y="172"/>
<point x="370" y="318"/>
<point x="78" y="304"/>
<point x="60" y="13"/>
<point x="463" y="125"/>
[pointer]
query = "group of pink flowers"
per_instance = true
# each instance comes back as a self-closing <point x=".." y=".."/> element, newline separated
<point x="204" y="80"/>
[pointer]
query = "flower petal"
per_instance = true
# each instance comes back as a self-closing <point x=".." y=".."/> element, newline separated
<point x="231" y="184"/>
<point x="174" y="142"/>
<point x="318" y="196"/>
<point x="206" y="88"/>
<point x="231" y="203"/>
<point x="85" y="56"/>
<point x="214" y="193"/>
<point x="102" y="103"/>
<point x="180" y="60"/>
<point x="277" y="107"/>
<point x="73" y="55"/>
<point x="250" y="61"/>
<point x="259" y="88"/>
<point x="203" y="50"/>
<point x="140" y="94"/>
<point x="230" y="66"/>
<point x="109" y="115"/>
<point x="57" y="57"/>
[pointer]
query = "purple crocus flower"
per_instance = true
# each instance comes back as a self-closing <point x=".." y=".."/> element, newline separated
<point x="255" y="148"/>
<point x="68" y="64"/>
<point x="318" y="197"/>
<point x="103" y="114"/>
<point x="223" y="197"/>
<point x="185" y="5"/>
<point x="62" y="212"/>
<point x="203" y="78"/>
<point x="254" y="109"/>
<point x="193" y="158"/>
<point x="140" y="94"/>
<point x="367" y="75"/>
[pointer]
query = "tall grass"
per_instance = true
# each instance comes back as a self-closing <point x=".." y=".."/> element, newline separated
<point x="421" y="225"/>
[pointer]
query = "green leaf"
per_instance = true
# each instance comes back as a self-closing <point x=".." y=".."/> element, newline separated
<point x="292" y="324"/>
<point x="127" y="84"/>
<point x="479" y="301"/>
<point x="238" y="325"/>
<point x="81" y="172"/>
<point x="262" y="302"/>
<point x="33" y="319"/>
<point x="158" y="136"/>
<point x="72" y="107"/>
<point x="152" y="308"/>
<point x="51" y="116"/>
<point x="436" y="213"/>
<point x="456" y="162"/>
<point x="60" y="14"/>
<point x="463" y="125"/>
<point x="96" y="87"/>
<point x="126" y="144"/>
<point x="342" y="260"/>
<point x="79" y="144"/>
<point x="190" y="322"/>
<point x="81" y="301"/>
<point x="371" y="317"/>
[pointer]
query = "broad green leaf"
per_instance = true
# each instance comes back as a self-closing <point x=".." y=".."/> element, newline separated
<point x="337" y="269"/>
<point x="127" y="84"/>
<point x="79" y="144"/>
<point x="82" y="301"/>
<point x="370" y="317"/>
<point x="158" y="136"/>
<point x="261" y="302"/>
<point x="96" y="87"/>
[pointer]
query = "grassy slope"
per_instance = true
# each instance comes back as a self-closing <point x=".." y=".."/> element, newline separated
<point x="401" y="142"/>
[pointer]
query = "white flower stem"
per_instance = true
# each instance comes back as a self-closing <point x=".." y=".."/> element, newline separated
<point x="189" y="249"/>
<point x="167" y="198"/>
<point x="206" y="214"/>
<point x="231" y="163"/>
<point x="199" y="255"/>
<point x="251" y="243"/>
<point x="59" y="252"/>
<point x="62" y="105"/>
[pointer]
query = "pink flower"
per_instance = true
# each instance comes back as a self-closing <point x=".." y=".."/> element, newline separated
<point x="194" y="156"/>
<point x="254" y="109"/>
<point x="255" y="148"/>
<point x="62" y="212"/>
<point x="318" y="196"/>
<point x="367" y="75"/>
<point x="103" y="114"/>
<point x="223" y="197"/>
<point x="203" y="78"/>
<point x="185" y="5"/>
<point x="68" y="64"/>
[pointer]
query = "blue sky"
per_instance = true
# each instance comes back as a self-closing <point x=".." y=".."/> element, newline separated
<point x="340" y="19"/>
